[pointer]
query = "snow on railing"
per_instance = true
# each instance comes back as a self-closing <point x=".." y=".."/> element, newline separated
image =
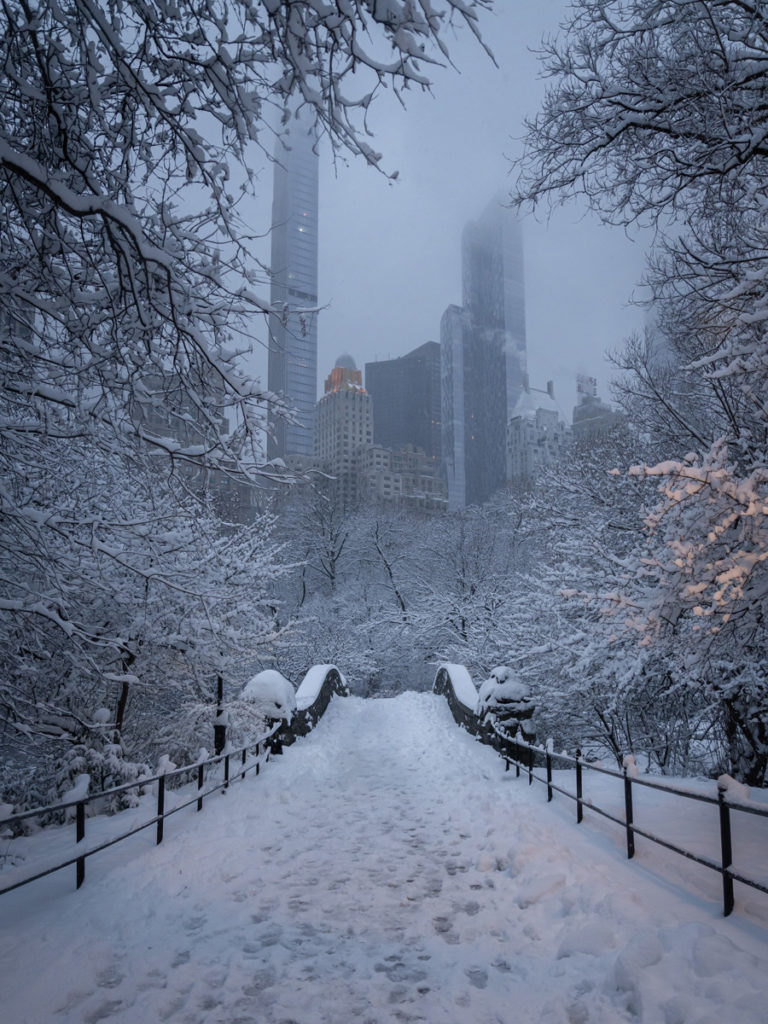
<point x="259" y="750"/>
<point x="525" y="756"/>
<point x="312" y="684"/>
<point x="313" y="697"/>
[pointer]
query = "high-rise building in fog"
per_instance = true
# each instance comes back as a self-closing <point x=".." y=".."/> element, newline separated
<point x="292" y="369"/>
<point x="536" y="435"/>
<point x="483" y="357"/>
<point x="592" y="418"/>
<point x="406" y="400"/>
<point x="344" y="429"/>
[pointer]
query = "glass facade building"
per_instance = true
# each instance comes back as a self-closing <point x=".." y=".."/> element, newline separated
<point x="292" y="369"/>
<point x="406" y="400"/>
<point x="483" y="358"/>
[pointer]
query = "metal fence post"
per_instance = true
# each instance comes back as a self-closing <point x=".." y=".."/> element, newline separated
<point x="628" y="815"/>
<point x="160" y="807"/>
<point x="276" y="741"/>
<point x="220" y="721"/>
<point x="219" y="732"/>
<point x="579" y="800"/>
<point x="226" y="771"/>
<point x="199" y="786"/>
<point x="258" y="755"/>
<point x="549" y="777"/>
<point x="243" y="762"/>
<point x="530" y="766"/>
<point x="79" y="837"/>
<point x="726" y="849"/>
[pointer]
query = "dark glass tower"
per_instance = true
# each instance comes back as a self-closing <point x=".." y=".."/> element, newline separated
<point x="406" y="400"/>
<point x="483" y="357"/>
<point x="292" y="370"/>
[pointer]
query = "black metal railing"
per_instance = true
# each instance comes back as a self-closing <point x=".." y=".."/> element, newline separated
<point x="527" y="758"/>
<point x="233" y="765"/>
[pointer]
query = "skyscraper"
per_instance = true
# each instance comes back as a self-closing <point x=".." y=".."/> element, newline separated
<point x="344" y="428"/>
<point x="292" y="369"/>
<point x="406" y="399"/>
<point x="592" y="418"/>
<point x="483" y="357"/>
<point x="536" y="435"/>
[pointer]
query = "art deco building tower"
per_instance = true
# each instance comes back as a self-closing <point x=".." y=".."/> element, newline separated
<point x="483" y="357"/>
<point x="344" y="429"/>
<point x="292" y="370"/>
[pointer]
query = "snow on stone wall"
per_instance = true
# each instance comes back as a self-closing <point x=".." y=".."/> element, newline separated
<point x="271" y="695"/>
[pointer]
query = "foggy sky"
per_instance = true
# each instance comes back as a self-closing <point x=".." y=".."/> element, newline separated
<point x="389" y="252"/>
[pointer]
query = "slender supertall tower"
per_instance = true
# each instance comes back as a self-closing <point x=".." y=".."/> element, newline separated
<point x="292" y="326"/>
<point x="483" y="357"/>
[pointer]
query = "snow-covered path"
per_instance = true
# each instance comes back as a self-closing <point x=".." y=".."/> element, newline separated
<point x="385" y="869"/>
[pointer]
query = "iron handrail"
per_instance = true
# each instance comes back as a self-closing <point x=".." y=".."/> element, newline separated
<point x="157" y="819"/>
<point x="527" y="754"/>
<point x="38" y="812"/>
<point x="280" y="732"/>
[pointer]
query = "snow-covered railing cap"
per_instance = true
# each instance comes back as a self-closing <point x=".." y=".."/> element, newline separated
<point x="312" y="683"/>
<point x="460" y="681"/>
<point x="312" y="699"/>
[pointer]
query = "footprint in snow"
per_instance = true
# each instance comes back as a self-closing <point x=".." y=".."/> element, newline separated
<point x="399" y="972"/>
<point x="103" y="1011"/>
<point x="259" y="981"/>
<point x="471" y="908"/>
<point x="452" y="866"/>
<point x="109" y="978"/>
<point x="477" y="976"/>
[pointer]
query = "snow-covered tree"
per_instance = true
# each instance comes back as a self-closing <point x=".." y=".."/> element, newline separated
<point x="140" y="599"/>
<point x="126" y="144"/>
<point x="130" y="134"/>
<point x="656" y="113"/>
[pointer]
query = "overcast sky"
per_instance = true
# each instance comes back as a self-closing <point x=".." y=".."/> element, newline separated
<point x="389" y="260"/>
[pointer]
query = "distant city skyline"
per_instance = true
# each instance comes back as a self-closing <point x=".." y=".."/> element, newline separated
<point x="389" y="251"/>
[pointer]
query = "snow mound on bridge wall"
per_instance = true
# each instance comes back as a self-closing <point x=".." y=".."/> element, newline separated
<point x="312" y="683"/>
<point x="463" y="687"/>
<point x="271" y="695"/>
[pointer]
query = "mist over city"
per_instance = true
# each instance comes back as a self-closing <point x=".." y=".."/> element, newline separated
<point x="383" y="511"/>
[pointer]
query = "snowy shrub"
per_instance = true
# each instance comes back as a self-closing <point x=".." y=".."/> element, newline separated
<point x="505" y="699"/>
<point x="266" y="698"/>
<point x="24" y="787"/>
<point x="96" y="751"/>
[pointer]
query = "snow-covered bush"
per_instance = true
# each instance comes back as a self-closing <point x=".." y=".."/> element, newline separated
<point x="265" y="698"/>
<point x="96" y="753"/>
<point x="505" y="699"/>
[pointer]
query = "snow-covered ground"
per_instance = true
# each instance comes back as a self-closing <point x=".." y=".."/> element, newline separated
<point x="384" y="869"/>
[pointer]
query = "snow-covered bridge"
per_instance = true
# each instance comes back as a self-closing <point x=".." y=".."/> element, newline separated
<point x="385" y="869"/>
